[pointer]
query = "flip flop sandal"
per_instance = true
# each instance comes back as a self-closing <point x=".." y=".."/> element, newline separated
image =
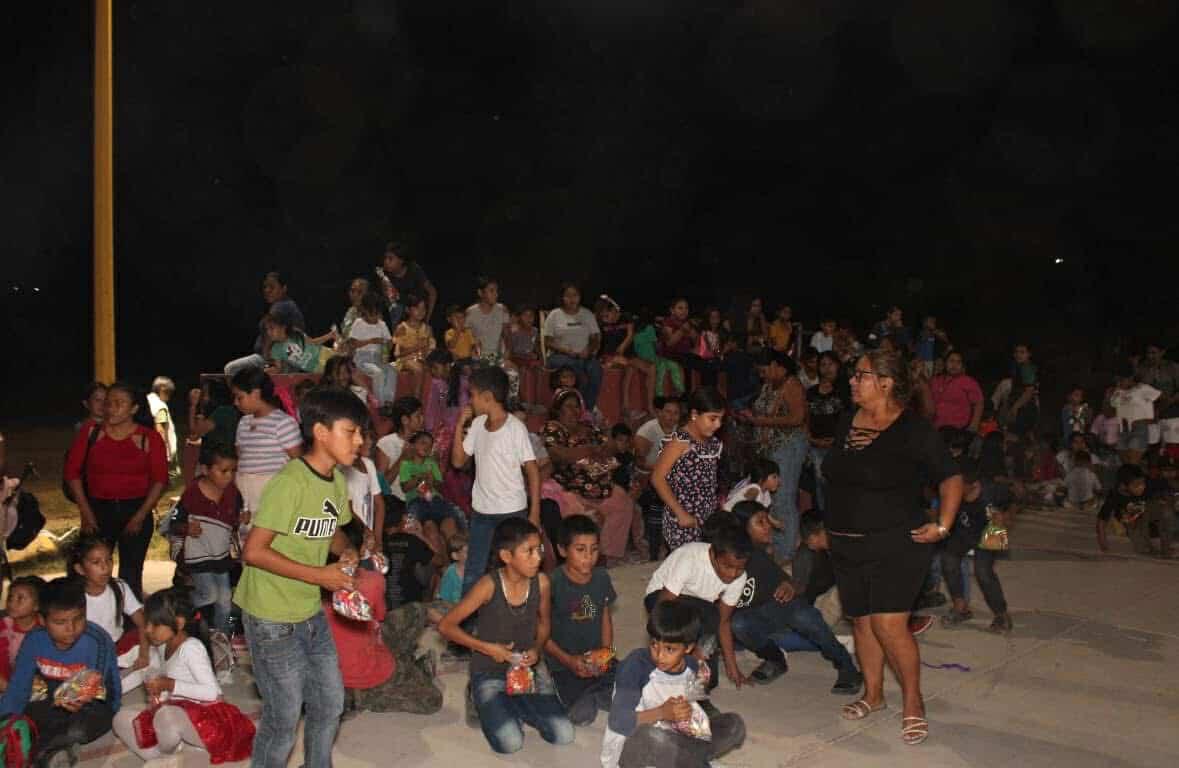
<point x="860" y="709"/>
<point x="914" y="730"/>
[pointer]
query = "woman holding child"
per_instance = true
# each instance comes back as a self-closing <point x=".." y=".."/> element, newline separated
<point x="583" y="463"/>
<point x="882" y="456"/>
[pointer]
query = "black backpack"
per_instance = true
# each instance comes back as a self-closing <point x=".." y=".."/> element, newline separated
<point x="95" y="431"/>
<point x="29" y="521"/>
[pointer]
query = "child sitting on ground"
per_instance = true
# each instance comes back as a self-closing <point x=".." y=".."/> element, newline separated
<point x="759" y="485"/>
<point x="651" y="700"/>
<point x="1081" y="483"/>
<point x="109" y="600"/>
<point x="22" y="615"/>
<point x="699" y="574"/>
<point x="421" y="479"/>
<point x="513" y="602"/>
<point x="582" y="625"/>
<point x="184" y="697"/>
<point x="1128" y="505"/>
<point x="206" y="519"/>
<point x="67" y="644"/>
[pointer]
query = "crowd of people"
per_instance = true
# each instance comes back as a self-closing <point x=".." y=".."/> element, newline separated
<point x="788" y="483"/>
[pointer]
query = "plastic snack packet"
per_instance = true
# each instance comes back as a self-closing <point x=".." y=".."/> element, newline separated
<point x="350" y="604"/>
<point x="519" y="680"/>
<point x="378" y="561"/>
<point x="83" y="686"/>
<point x="599" y="659"/>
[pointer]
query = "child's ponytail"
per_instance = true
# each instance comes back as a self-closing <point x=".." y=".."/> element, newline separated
<point x="166" y="607"/>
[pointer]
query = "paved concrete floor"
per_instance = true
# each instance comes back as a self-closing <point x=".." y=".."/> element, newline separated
<point x="1088" y="678"/>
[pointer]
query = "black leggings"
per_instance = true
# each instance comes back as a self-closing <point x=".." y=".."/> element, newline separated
<point x="653" y="746"/>
<point x="58" y="729"/>
<point x="112" y="516"/>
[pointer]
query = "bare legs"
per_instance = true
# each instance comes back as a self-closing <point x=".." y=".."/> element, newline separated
<point x="885" y="637"/>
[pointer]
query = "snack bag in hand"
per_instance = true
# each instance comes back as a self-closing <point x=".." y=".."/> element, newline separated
<point x="378" y="561"/>
<point x="696" y="689"/>
<point x="350" y="604"/>
<point x="599" y="659"/>
<point x="83" y="686"/>
<point x="519" y="679"/>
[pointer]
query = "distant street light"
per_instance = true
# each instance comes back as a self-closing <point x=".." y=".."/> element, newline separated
<point x="1059" y="260"/>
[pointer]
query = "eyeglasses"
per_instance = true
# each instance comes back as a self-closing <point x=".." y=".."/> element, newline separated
<point x="859" y="374"/>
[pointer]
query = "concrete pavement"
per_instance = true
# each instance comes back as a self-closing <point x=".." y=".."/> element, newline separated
<point x="1088" y="678"/>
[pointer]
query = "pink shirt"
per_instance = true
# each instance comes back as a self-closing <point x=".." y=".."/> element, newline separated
<point x="954" y="398"/>
<point x="365" y="660"/>
<point x="11" y="638"/>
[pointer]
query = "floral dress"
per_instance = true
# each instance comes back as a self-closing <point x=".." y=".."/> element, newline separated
<point x="693" y="483"/>
<point x="588" y="478"/>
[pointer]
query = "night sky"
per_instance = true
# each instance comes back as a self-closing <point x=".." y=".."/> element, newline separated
<point x="827" y="153"/>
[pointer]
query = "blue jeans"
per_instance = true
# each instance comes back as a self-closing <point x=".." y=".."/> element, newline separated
<point x="479" y="545"/>
<point x="789" y="457"/>
<point x="242" y="363"/>
<point x="589" y="375"/>
<point x="502" y="717"/>
<point x="213" y="589"/>
<point x="755" y="629"/>
<point x="436" y="510"/>
<point x="295" y="665"/>
<point x="816" y="456"/>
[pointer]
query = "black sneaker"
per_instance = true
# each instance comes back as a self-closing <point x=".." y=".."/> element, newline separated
<point x="955" y="618"/>
<point x="709" y="708"/>
<point x="932" y="599"/>
<point x="767" y="672"/>
<point x="849" y="682"/>
<point x="1002" y="624"/>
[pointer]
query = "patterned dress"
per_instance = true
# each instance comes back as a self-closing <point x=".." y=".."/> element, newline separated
<point x="693" y="483"/>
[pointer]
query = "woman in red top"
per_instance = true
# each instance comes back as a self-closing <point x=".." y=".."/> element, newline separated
<point x="117" y="471"/>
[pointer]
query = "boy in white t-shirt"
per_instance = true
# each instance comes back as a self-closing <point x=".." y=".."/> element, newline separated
<point x="499" y="443"/>
<point x="364" y="493"/>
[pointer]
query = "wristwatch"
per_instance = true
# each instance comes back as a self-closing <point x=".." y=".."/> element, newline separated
<point x="942" y="530"/>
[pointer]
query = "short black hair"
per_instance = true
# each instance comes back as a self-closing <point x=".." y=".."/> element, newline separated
<point x="401" y="408"/>
<point x="810" y="525"/>
<point x="574" y="526"/>
<point x="492" y="380"/>
<point x="761" y="468"/>
<point x="660" y="402"/>
<point x="455" y="309"/>
<point x="672" y="621"/>
<point x="745" y="510"/>
<point x="1128" y="473"/>
<point x="326" y="406"/>
<point x="216" y="449"/>
<point x="420" y="434"/>
<point x="729" y="537"/>
<point x="35" y="583"/>
<point x="63" y="594"/>
<point x="706" y="400"/>
<point x="620" y="430"/>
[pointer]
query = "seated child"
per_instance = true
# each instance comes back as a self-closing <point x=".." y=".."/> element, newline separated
<point x="450" y="588"/>
<point x="512" y="626"/>
<point x="1128" y="504"/>
<point x="582" y="596"/>
<point x="109" y="600"/>
<point x="206" y="521"/>
<point x="291" y="350"/>
<point x="51" y="655"/>
<point x="185" y="704"/>
<point x="460" y="340"/>
<point x="378" y="667"/>
<point x="769" y="607"/>
<point x="699" y="574"/>
<point x="624" y="475"/>
<point x="421" y="480"/>
<point x="1081" y="483"/>
<point x="22" y="615"/>
<point x="650" y="699"/>
<point x="370" y="341"/>
<point x="412" y="562"/>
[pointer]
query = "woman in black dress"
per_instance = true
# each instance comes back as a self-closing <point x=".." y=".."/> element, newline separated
<point x="881" y="545"/>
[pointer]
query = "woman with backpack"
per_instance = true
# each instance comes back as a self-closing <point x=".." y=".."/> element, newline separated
<point x="116" y="472"/>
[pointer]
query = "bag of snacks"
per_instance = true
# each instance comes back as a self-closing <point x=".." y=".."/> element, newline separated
<point x="350" y="604"/>
<point x="599" y="659"/>
<point x="83" y="686"/>
<point x="519" y="679"/>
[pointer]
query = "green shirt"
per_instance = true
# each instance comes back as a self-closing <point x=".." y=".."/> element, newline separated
<point x="304" y="509"/>
<point x="413" y="468"/>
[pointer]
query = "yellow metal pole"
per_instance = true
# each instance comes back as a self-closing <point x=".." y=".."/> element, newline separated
<point x="104" y="204"/>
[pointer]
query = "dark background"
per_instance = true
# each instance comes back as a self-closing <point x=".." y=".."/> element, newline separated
<point x="833" y="154"/>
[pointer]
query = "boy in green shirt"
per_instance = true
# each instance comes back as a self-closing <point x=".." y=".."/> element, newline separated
<point x="297" y="523"/>
<point x="421" y="479"/>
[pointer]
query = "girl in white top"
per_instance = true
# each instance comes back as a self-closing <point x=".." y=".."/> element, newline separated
<point x="364" y="492"/>
<point x="109" y="600"/>
<point x="371" y="341"/>
<point x="762" y="483"/>
<point x="267" y="437"/>
<point x="182" y="689"/>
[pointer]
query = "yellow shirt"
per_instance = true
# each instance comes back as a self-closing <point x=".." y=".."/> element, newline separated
<point x="461" y="345"/>
<point x="780" y="334"/>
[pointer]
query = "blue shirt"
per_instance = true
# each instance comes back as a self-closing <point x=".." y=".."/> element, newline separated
<point x="39" y="655"/>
